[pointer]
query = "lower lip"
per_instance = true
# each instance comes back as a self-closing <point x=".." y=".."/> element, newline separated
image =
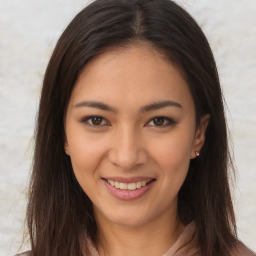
<point x="128" y="194"/>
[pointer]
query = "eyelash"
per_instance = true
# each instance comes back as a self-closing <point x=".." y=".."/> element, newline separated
<point x="167" y="121"/>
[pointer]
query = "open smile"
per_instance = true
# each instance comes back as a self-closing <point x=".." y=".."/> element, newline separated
<point x="129" y="190"/>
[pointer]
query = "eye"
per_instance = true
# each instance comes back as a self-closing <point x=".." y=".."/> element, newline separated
<point x="161" y="121"/>
<point x="95" y="121"/>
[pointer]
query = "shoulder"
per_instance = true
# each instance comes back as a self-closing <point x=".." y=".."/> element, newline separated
<point x="27" y="253"/>
<point x="241" y="250"/>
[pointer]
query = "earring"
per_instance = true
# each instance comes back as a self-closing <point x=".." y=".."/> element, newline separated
<point x="197" y="153"/>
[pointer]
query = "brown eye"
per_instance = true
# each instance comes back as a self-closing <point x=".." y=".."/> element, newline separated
<point x="96" y="120"/>
<point x="159" y="121"/>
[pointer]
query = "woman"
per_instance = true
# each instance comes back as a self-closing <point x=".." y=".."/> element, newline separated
<point x="131" y="153"/>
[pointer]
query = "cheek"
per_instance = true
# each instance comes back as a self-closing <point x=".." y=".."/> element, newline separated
<point x="173" y="156"/>
<point x="173" y="149"/>
<point x="85" y="154"/>
<point x="174" y="169"/>
<point x="85" y="159"/>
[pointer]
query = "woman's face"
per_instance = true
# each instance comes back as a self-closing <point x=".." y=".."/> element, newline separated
<point x="130" y="133"/>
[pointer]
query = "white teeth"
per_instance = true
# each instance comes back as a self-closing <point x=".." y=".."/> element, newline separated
<point x="143" y="183"/>
<point x="116" y="184"/>
<point x="131" y="186"/>
<point x="123" y="185"/>
<point x="128" y="186"/>
<point x="138" y="184"/>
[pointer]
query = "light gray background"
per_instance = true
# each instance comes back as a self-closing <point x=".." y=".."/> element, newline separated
<point x="28" y="32"/>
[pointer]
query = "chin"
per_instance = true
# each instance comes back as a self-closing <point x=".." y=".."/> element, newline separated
<point x="122" y="217"/>
<point x="128" y="221"/>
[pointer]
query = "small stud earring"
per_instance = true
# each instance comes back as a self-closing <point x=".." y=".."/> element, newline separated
<point x="197" y="153"/>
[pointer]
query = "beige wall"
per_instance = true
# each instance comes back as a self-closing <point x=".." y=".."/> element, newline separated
<point x="28" y="32"/>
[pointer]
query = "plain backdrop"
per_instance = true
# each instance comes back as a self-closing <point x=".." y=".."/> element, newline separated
<point x="29" y="30"/>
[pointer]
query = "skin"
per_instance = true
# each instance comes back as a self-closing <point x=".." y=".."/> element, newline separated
<point x="129" y="143"/>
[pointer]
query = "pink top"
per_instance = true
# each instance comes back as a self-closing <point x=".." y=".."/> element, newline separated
<point x="186" y="245"/>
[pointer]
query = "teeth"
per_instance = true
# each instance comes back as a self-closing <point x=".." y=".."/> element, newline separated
<point x="138" y="184"/>
<point x="116" y="184"/>
<point x="123" y="185"/>
<point x="127" y="186"/>
<point x="131" y="186"/>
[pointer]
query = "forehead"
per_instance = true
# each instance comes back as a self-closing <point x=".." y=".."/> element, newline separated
<point x="132" y="75"/>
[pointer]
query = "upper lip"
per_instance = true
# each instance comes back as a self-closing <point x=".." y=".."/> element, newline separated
<point x="129" y="180"/>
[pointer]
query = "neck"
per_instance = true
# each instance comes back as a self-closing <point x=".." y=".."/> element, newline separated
<point x="154" y="238"/>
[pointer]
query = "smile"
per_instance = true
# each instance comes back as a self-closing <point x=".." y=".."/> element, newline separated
<point x="128" y="189"/>
<point x="128" y="186"/>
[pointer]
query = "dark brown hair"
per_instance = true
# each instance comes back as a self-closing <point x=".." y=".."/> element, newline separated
<point x="59" y="213"/>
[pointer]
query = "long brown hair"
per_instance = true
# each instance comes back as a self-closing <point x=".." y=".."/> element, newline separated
<point x="59" y="213"/>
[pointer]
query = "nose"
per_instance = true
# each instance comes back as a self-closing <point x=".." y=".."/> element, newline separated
<point x="127" y="149"/>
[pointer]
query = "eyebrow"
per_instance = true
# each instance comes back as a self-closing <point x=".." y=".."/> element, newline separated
<point x="160" y="104"/>
<point x="96" y="104"/>
<point x="144" y="109"/>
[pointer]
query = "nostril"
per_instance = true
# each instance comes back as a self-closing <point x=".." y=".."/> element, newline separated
<point x="127" y="159"/>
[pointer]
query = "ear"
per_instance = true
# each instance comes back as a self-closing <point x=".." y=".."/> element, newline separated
<point x="66" y="146"/>
<point x="200" y="135"/>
